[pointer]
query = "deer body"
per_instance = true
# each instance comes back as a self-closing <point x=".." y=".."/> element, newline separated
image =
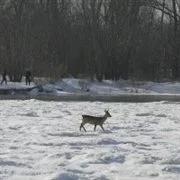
<point x="94" y="120"/>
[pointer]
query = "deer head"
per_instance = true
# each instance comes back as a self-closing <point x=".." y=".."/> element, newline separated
<point x="107" y="114"/>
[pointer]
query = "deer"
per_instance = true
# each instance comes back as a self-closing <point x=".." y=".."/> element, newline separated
<point x="94" y="120"/>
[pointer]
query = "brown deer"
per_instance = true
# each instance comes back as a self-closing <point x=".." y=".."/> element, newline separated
<point x="94" y="120"/>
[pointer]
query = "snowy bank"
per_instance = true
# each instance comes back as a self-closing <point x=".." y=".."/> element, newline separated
<point x="85" y="90"/>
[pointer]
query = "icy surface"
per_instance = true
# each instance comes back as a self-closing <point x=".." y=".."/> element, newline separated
<point x="41" y="141"/>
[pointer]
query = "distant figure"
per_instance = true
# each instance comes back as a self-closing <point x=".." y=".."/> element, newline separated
<point x="4" y="79"/>
<point x="28" y="77"/>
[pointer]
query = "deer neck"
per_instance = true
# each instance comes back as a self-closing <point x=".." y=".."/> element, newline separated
<point x="104" y="117"/>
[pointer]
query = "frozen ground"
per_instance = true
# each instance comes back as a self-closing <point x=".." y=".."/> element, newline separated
<point x="41" y="141"/>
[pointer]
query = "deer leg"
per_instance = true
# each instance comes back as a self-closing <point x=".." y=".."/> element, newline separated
<point x="95" y="127"/>
<point x="82" y="126"/>
<point x="102" y="127"/>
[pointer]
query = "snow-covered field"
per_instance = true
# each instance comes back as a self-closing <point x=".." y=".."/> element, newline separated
<point x="41" y="141"/>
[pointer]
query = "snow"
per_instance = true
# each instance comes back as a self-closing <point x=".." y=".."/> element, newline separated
<point x="16" y="85"/>
<point x="71" y="86"/>
<point x="41" y="140"/>
<point x="107" y="87"/>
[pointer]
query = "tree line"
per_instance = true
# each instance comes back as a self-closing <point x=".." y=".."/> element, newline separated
<point x="103" y="39"/>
